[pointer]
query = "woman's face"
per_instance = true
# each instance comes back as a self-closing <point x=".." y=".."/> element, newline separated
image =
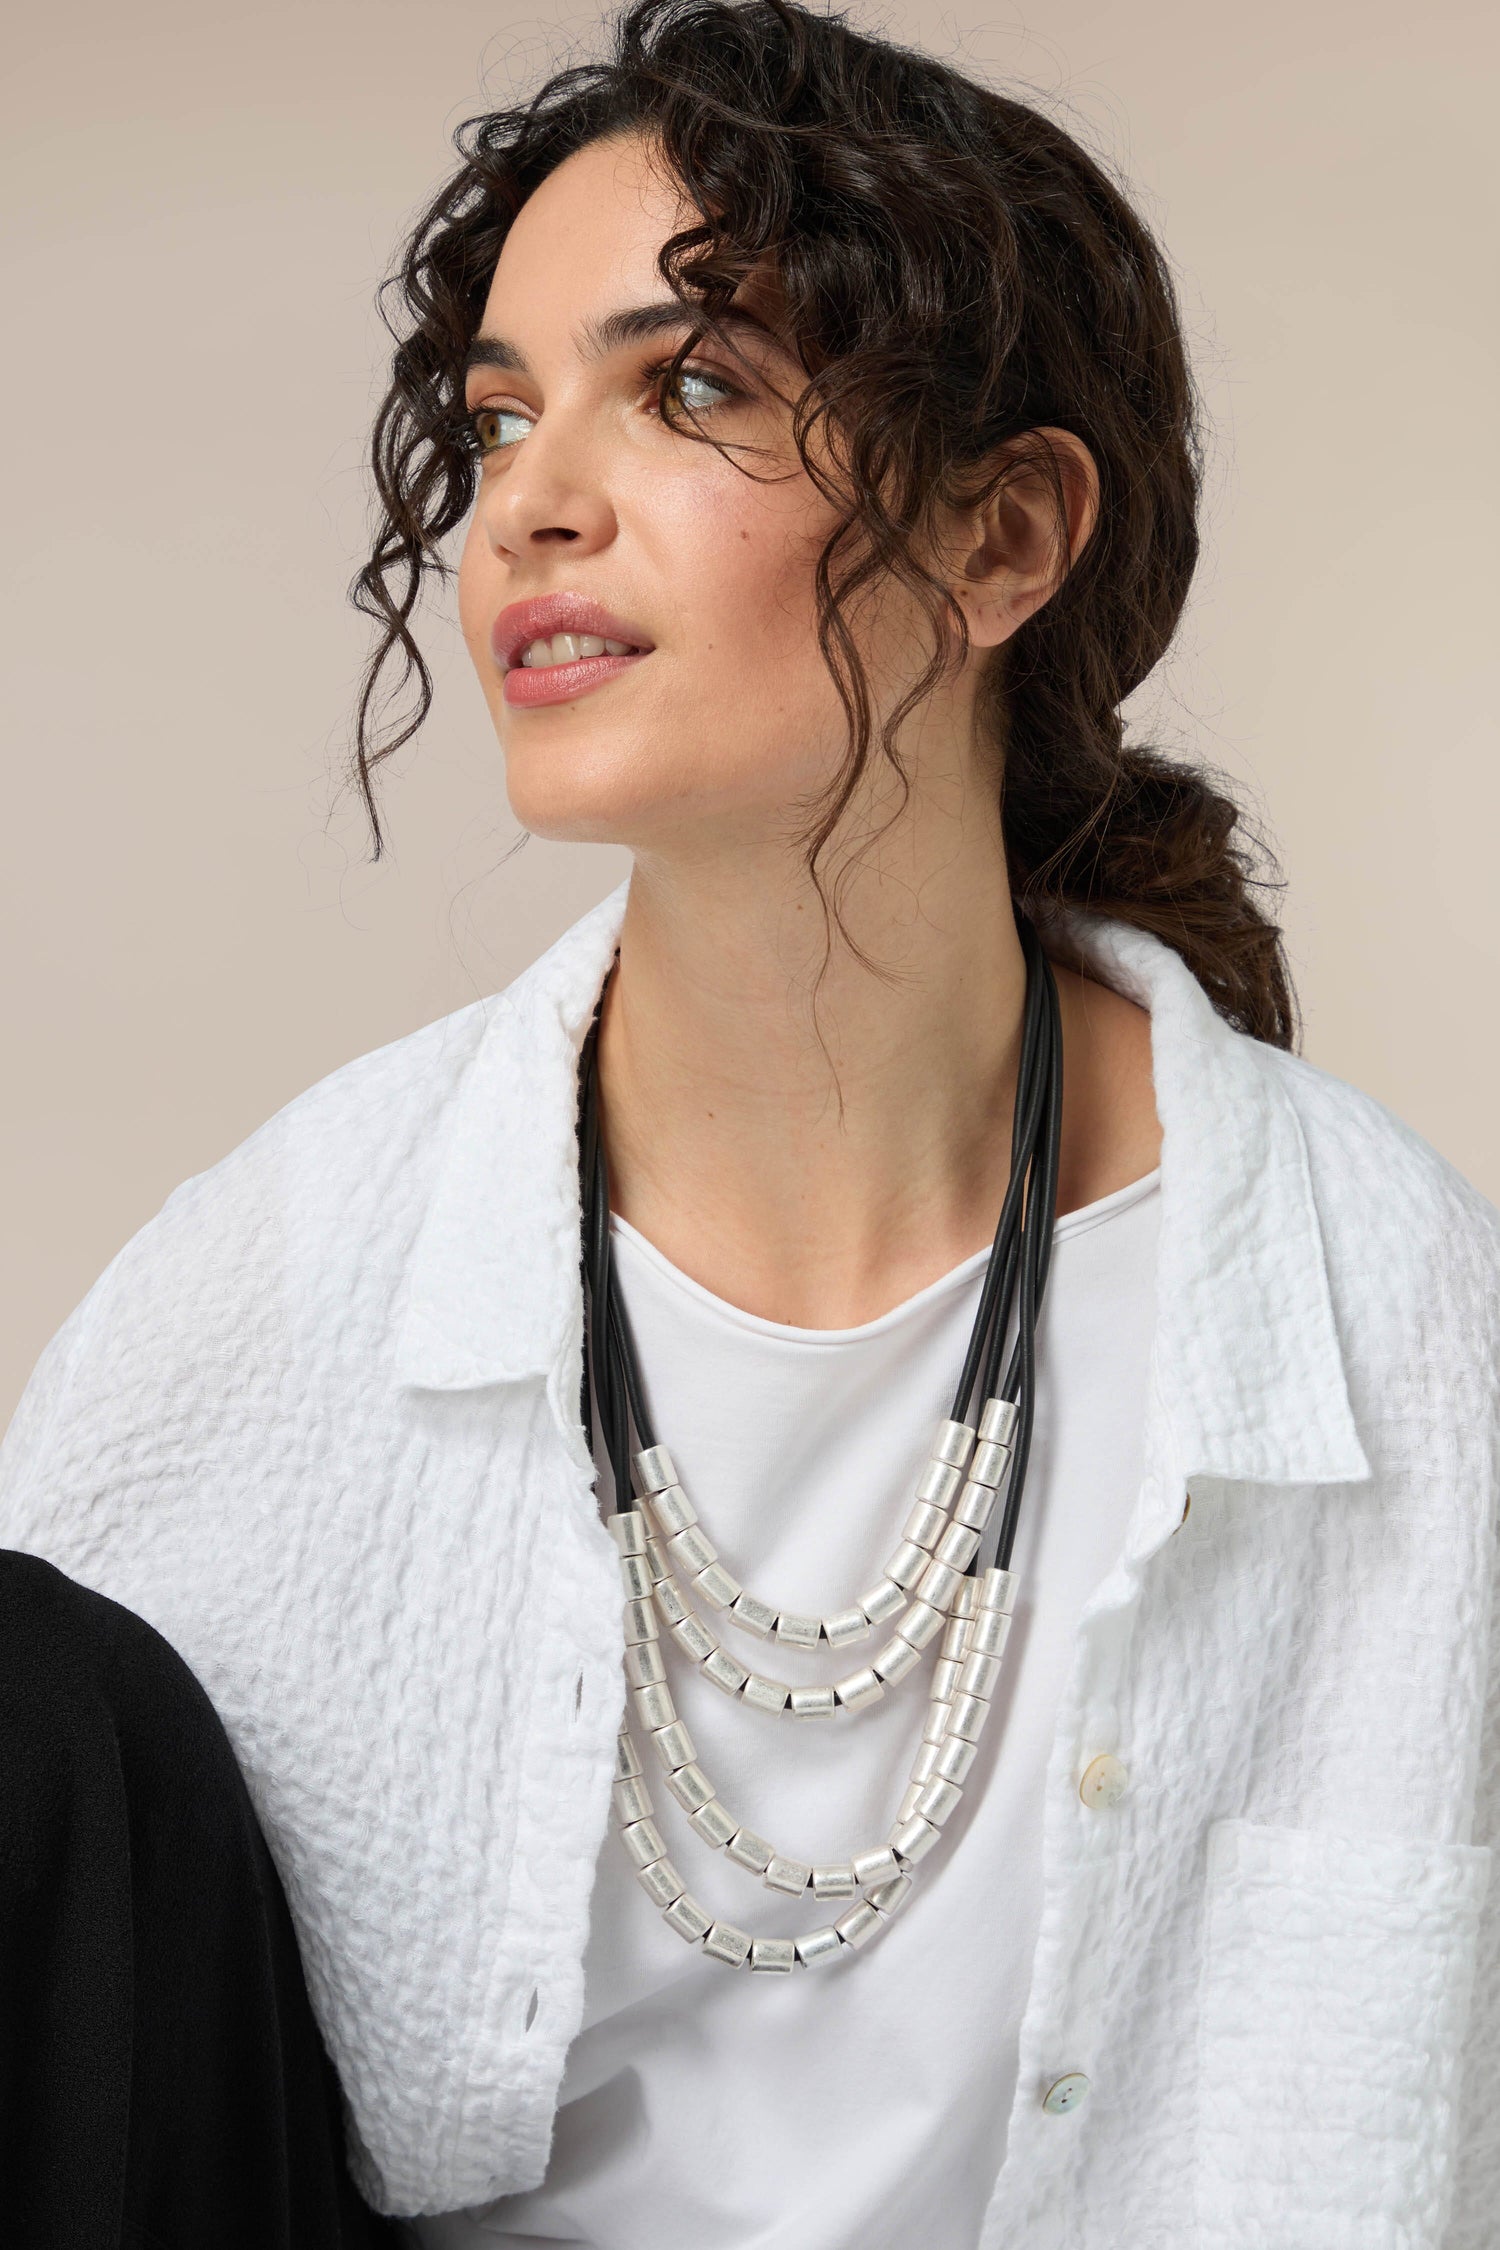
<point x="588" y="498"/>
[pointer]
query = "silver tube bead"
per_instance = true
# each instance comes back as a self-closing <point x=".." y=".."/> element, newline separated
<point x="989" y="1465"/>
<point x="644" y="1664"/>
<point x="724" y="1672"/>
<point x="938" y="1799"/>
<point x="627" y="1528"/>
<point x="907" y="1564"/>
<point x="654" y="1706"/>
<point x="658" y="1561"/>
<point x="763" y="1694"/>
<point x="673" y="1510"/>
<point x="653" y="1469"/>
<point x="991" y="1632"/>
<point x="938" y="1483"/>
<point x="778" y="1954"/>
<point x="921" y="1624"/>
<point x="813" y="1703"/>
<point x="997" y="1589"/>
<point x="979" y="1674"/>
<point x="632" y="1800"/>
<point x="747" y="1849"/>
<point x="726" y="1943"/>
<point x="956" y="1637"/>
<point x="883" y="1600"/>
<point x="954" y="1443"/>
<point x="640" y="1621"/>
<point x="717" y="1586"/>
<point x="859" y="1925"/>
<point x="936" y="1729"/>
<point x="895" y="1660"/>
<point x="957" y="1546"/>
<point x="691" y="1787"/>
<point x="914" y="1839"/>
<point x="674" y="1746"/>
<point x="688" y="1918"/>
<point x="924" y="1764"/>
<point x="789" y="1875"/>
<point x="697" y="1639"/>
<point x="714" y="1824"/>
<point x="643" y="1841"/>
<point x="954" y="1759"/>
<point x="965" y="1602"/>
<point x="627" y="1757"/>
<point x="845" y="1626"/>
<point x="816" y="1946"/>
<point x="997" y="1424"/>
<point x="635" y="1577"/>
<point x="976" y="1506"/>
<point x="834" y="1882"/>
<point x="877" y="1865"/>
<point x="797" y="1630"/>
<point x="859" y="1688"/>
<point x="908" y="1804"/>
<point x="938" y="1584"/>
<point x="661" y="1881"/>
<point x="691" y="1550"/>
<point x="925" y="1525"/>
<point x="755" y="1617"/>
<point x="892" y="1896"/>
<point x="669" y="1600"/>
<point x="967" y="1715"/>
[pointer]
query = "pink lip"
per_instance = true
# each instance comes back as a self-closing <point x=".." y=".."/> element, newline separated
<point x="520" y="623"/>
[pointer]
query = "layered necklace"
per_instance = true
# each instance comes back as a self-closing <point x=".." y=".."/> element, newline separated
<point x="946" y="1586"/>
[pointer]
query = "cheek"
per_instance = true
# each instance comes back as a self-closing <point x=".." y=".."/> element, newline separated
<point x="477" y="596"/>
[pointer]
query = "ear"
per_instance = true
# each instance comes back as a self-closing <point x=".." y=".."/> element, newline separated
<point x="1012" y="553"/>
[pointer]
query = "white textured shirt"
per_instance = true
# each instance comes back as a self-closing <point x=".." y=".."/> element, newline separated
<point x="319" y="1424"/>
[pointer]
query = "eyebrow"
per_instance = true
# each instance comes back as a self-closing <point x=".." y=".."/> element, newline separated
<point x="634" y="324"/>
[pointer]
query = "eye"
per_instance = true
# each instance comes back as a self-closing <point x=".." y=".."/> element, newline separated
<point x="491" y="429"/>
<point x="694" y="388"/>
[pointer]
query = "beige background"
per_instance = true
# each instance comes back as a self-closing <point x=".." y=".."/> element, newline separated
<point x="200" y="199"/>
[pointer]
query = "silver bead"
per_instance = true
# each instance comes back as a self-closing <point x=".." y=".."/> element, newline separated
<point x="997" y="1589"/>
<point x="627" y="1757"/>
<point x="956" y="1637"/>
<point x="661" y="1882"/>
<point x="924" y="1525"/>
<point x="834" y="1882"/>
<point x="714" y="1824"/>
<point x="875" y="1866"/>
<point x="938" y="1584"/>
<point x="979" y="1674"/>
<point x="673" y="1510"/>
<point x="640" y="1621"/>
<point x="908" y="1804"/>
<point x="921" y="1624"/>
<point x="789" y="1875"/>
<point x="965" y="1602"/>
<point x="697" y="1639"/>
<point x="938" y="1483"/>
<point x="954" y="1442"/>
<point x="954" y="1759"/>
<point x="688" y="1918"/>
<point x="938" y="1799"/>
<point x="644" y="1664"/>
<point x="691" y="1550"/>
<point x="997" y="1424"/>
<point x="657" y="1558"/>
<point x="958" y="1546"/>
<point x="747" y="1849"/>
<point x="627" y="1528"/>
<point x="654" y="1706"/>
<point x="991" y="1632"/>
<point x="632" y="1800"/>
<point x="907" y="1564"/>
<point x="726" y="1943"/>
<point x="989" y="1464"/>
<point x="844" y="1626"/>
<point x="936" y="1729"/>
<point x="691" y="1787"/>
<point x="653" y="1470"/>
<point x="717" y="1586"/>
<point x="816" y="1946"/>
<point x="755" y="1617"/>
<point x="883" y="1600"/>
<point x="669" y="1600"/>
<point x="924" y="1764"/>
<point x="859" y="1925"/>
<point x="976" y="1506"/>
<point x="724" y="1672"/>
<point x="801" y="1632"/>
<point x="764" y="1694"/>
<point x="892" y="1896"/>
<point x="914" y="1839"/>
<point x="813" y="1703"/>
<point x="967" y="1715"/>
<point x="859" y="1688"/>
<point x="635" y="1577"/>
<point x="643" y="1841"/>
<point x="945" y="1678"/>
<point x="895" y="1660"/>
<point x="778" y="1954"/>
<point x="674" y="1746"/>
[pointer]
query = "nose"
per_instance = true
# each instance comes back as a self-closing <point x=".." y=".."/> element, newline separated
<point x="553" y="492"/>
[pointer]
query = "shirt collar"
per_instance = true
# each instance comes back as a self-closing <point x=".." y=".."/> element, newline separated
<point x="1247" y="1355"/>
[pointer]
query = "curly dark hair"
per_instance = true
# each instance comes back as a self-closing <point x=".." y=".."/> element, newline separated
<point x="954" y="272"/>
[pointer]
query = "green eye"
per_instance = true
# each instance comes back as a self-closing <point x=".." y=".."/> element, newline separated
<point x="488" y="428"/>
<point x="691" y="385"/>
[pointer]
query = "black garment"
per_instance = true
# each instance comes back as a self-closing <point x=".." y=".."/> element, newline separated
<point x="162" y="2081"/>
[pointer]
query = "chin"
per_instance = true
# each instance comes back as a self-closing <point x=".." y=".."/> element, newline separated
<point x="586" y="792"/>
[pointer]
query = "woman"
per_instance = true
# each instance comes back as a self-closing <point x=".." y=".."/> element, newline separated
<point x="824" y="430"/>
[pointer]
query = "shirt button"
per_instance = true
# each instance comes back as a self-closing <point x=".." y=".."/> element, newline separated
<point x="1103" y="1782"/>
<point x="1065" y="2094"/>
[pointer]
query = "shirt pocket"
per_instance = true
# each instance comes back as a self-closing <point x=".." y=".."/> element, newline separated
<point x="1336" y="1979"/>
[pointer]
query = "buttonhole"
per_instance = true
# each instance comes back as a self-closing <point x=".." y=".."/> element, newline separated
<point x="531" y="2008"/>
<point x="578" y="1695"/>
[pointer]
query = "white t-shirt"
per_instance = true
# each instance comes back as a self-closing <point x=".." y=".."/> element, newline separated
<point x="864" y="2101"/>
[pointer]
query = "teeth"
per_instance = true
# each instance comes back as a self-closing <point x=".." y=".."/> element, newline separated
<point x="566" y="648"/>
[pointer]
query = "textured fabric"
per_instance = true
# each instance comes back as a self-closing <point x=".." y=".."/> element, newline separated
<point x="162" y="2081"/>
<point x="319" y="1423"/>
<point x="801" y="1448"/>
